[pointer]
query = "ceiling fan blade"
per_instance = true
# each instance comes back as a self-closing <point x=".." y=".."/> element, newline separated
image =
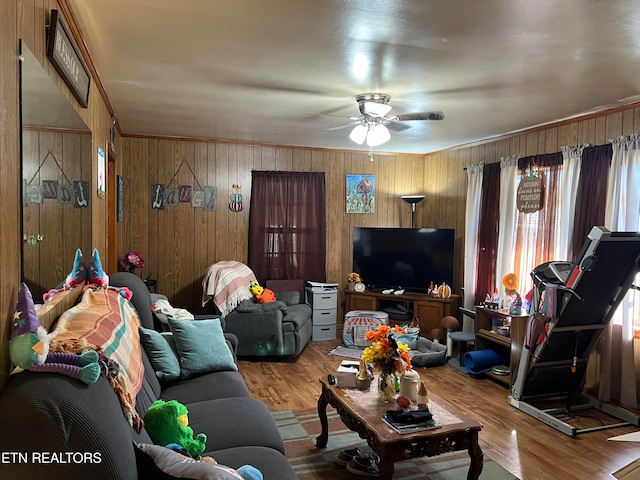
<point x="398" y="127"/>
<point x="349" y="117"/>
<point x="343" y="126"/>
<point x="418" y="116"/>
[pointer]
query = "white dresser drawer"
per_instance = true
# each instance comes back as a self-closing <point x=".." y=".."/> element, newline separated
<point x="324" y="317"/>
<point x="324" y="332"/>
<point x="322" y="300"/>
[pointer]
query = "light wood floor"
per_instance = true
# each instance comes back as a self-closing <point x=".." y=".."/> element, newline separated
<point x="523" y="445"/>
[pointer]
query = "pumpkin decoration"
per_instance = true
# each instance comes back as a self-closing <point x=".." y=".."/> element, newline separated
<point x="444" y="291"/>
<point x="236" y="205"/>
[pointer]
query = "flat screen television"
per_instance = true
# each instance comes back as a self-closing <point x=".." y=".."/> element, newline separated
<point x="408" y="258"/>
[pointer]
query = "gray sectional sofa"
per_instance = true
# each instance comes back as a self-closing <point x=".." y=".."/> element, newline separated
<point x="56" y="427"/>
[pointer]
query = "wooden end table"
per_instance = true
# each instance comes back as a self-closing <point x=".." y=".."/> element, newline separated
<point x="362" y="412"/>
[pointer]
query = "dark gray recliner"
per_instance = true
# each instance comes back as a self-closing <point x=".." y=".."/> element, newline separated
<point x="276" y="329"/>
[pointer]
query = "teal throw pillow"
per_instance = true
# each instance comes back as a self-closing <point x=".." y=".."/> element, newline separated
<point x="201" y="346"/>
<point x="162" y="356"/>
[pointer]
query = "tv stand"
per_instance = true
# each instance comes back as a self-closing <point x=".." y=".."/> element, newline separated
<point x="429" y="310"/>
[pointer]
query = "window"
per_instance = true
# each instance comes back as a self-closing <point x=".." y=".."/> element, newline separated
<point x="287" y="226"/>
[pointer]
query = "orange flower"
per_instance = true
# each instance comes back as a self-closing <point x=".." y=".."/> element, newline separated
<point x="510" y="282"/>
<point x="381" y="352"/>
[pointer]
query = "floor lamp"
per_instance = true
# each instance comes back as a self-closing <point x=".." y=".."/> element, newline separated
<point x="412" y="200"/>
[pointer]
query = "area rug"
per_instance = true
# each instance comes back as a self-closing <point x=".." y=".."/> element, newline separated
<point x="347" y="352"/>
<point x="300" y="428"/>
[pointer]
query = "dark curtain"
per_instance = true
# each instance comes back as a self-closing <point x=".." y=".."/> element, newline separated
<point x="591" y="196"/>
<point x="287" y="226"/>
<point x="488" y="231"/>
<point x="544" y="160"/>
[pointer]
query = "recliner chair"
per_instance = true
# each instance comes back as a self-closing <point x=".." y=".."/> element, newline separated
<point x="276" y="329"/>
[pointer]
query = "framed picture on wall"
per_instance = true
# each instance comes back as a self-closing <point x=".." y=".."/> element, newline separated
<point x="101" y="173"/>
<point x="119" y="197"/>
<point x="361" y="193"/>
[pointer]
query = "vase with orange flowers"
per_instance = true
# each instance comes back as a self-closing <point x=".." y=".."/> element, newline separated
<point x="389" y="356"/>
<point x="352" y="279"/>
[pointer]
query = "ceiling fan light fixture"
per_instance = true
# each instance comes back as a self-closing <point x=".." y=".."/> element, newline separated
<point x="359" y="134"/>
<point x="375" y="108"/>
<point x="377" y="135"/>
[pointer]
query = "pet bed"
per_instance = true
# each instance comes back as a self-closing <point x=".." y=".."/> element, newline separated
<point x="425" y="353"/>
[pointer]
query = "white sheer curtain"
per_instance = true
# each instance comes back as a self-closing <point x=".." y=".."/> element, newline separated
<point x="571" y="160"/>
<point x="622" y="213"/>
<point x="536" y="233"/>
<point x="472" y="225"/>
<point x="505" y="256"/>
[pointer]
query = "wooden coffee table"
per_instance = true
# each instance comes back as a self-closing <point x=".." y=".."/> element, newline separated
<point x="362" y="412"/>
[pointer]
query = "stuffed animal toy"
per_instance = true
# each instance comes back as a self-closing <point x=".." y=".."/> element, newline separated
<point x="263" y="295"/>
<point x="94" y="274"/>
<point x="29" y="346"/>
<point x="78" y="273"/>
<point x="168" y="422"/>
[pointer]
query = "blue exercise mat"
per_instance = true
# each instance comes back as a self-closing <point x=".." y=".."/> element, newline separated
<point x="480" y="361"/>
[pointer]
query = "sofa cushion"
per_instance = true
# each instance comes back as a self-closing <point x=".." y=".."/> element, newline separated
<point x="272" y="464"/>
<point x="49" y="412"/>
<point x="235" y="422"/>
<point x="206" y="386"/>
<point x="155" y="461"/>
<point x="162" y="357"/>
<point x="201" y="346"/>
<point x="289" y="298"/>
<point x="250" y="306"/>
<point x="150" y="390"/>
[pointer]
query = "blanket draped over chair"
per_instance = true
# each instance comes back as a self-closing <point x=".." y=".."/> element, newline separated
<point x="227" y="283"/>
<point x="106" y="322"/>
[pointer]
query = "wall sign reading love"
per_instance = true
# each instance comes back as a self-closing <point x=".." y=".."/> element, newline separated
<point x="530" y="194"/>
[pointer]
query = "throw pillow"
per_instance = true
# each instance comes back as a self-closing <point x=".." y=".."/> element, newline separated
<point x="155" y="461"/>
<point x="201" y="346"/>
<point x="162" y="357"/>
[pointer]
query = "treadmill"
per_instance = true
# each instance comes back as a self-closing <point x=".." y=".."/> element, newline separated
<point x="573" y="304"/>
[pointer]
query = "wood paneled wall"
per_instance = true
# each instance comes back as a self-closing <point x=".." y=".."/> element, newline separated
<point x="26" y="20"/>
<point x="179" y="243"/>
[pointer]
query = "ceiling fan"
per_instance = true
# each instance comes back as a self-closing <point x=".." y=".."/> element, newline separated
<point x="371" y="124"/>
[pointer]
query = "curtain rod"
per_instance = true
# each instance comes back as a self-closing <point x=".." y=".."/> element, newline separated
<point x="584" y="145"/>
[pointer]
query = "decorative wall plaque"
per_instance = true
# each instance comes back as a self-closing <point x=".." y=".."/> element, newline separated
<point x="65" y="57"/>
<point x="530" y="195"/>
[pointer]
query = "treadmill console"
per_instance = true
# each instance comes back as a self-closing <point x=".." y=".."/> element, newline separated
<point x="552" y="272"/>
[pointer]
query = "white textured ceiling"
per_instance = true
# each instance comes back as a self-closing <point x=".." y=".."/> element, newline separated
<point x="278" y="71"/>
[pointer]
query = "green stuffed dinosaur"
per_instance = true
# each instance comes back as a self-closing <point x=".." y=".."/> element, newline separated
<point x="167" y="422"/>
